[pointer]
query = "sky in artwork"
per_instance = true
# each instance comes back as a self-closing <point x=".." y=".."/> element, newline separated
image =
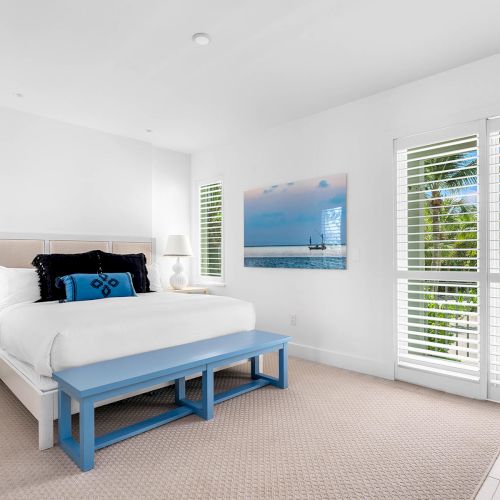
<point x="288" y="214"/>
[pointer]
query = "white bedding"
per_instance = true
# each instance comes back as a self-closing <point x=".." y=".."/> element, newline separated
<point x="51" y="336"/>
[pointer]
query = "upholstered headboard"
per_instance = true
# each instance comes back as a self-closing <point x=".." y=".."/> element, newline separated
<point x="19" y="250"/>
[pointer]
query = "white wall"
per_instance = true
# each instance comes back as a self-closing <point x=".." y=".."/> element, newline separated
<point x="343" y="317"/>
<point x="171" y="202"/>
<point x="61" y="178"/>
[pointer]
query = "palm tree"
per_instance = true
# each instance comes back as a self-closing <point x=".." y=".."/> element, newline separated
<point x="445" y="187"/>
<point x="447" y="215"/>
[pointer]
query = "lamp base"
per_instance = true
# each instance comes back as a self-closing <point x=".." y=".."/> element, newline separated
<point x="178" y="281"/>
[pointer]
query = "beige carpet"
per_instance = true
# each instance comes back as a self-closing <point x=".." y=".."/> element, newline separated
<point x="332" y="434"/>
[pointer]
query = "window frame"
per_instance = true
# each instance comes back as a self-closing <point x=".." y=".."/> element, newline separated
<point x="493" y="390"/>
<point x="209" y="280"/>
<point x="446" y="382"/>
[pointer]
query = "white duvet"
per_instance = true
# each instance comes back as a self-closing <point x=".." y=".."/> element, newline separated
<point x="51" y="336"/>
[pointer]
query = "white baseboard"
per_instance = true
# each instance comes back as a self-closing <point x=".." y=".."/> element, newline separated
<point x="341" y="360"/>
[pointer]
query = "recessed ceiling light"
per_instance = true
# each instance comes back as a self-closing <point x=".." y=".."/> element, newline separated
<point x="201" y="38"/>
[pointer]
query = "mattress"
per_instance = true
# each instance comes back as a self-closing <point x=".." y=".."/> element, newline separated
<point x="52" y="336"/>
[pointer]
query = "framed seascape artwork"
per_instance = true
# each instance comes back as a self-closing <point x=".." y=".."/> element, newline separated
<point x="297" y="224"/>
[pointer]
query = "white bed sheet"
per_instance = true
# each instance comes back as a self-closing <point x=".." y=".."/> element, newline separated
<point x="50" y="336"/>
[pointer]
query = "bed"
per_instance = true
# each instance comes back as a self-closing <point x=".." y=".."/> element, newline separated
<point x="39" y="338"/>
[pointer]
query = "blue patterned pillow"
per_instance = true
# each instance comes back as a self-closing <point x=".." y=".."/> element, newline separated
<point x="96" y="286"/>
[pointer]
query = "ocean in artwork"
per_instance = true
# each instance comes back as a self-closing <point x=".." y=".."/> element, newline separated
<point x="297" y="224"/>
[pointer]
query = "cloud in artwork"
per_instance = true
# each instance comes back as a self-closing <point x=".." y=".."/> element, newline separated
<point x="293" y="211"/>
<point x="271" y="189"/>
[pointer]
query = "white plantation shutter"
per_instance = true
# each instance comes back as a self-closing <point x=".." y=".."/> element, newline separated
<point x="494" y="375"/>
<point x="210" y="211"/>
<point x="437" y="213"/>
<point x="437" y="226"/>
<point x="438" y="327"/>
<point x="494" y="236"/>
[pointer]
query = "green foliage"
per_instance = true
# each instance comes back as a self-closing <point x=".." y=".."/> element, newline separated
<point x="442" y="236"/>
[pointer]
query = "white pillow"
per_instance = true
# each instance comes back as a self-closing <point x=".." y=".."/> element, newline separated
<point x="18" y="285"/>
<point x="154" y="277"/>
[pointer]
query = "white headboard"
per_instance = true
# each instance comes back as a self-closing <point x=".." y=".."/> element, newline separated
<point x="18" y="250"/>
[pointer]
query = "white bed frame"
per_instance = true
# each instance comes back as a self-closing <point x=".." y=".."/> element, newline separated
<point x="43" y="404"/>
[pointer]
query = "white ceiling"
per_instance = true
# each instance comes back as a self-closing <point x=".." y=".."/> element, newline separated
<point x="123" y="66"/>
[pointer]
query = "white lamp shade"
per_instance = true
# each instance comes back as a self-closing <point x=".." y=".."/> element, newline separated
<point x="178" y="245"/>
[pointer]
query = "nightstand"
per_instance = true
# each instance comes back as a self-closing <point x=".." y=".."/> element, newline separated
<point x="191" y="289"/>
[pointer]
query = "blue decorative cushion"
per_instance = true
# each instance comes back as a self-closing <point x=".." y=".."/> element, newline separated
<point x="96" y="286"/>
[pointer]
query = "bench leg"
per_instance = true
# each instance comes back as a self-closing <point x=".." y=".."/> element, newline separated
<point x="64" y="419"/>
<point x="207" y="397"/>
<point x="180" y="389"/>
<point x="87" y="445"/>
<point x="283" y="367"/>
<point x="255" y="367"/>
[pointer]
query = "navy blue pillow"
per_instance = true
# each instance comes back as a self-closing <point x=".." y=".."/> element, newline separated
<point x="96" y="286"/>
<point x="133" y="263"/>
<point x="50" y="266"/>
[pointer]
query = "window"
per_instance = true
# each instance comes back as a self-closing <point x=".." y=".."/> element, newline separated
<point x="494" y="248"/>
<point x="438" y="206"/>
<point x="438" y="287"/>
<point x="211" y="234"/>
<point x="448" y="259"/>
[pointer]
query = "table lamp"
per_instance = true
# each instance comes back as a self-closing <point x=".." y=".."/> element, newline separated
<point x="178" y="245"/>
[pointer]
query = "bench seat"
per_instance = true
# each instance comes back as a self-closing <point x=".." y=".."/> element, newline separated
<point x="99" y="381"/>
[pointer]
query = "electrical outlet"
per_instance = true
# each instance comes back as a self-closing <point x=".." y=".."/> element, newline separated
<point x="293" y="319"/>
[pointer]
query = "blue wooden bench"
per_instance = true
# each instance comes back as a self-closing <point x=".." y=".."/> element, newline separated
<point x="107" y="379"/>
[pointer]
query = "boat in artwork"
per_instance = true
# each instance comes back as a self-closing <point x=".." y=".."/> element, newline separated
<point x="317" y="246"/>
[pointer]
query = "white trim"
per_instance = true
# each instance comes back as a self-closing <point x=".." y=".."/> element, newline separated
<point x="493" y="124"/>
<point x="395" y="255"/>
<point x="494" y="393"/>
<point x="492" y="128"/>
<point x="439" y="135"/>
<point x="445" y="383"/>
<point x="484" y="256"/>
<point x="420" y="376"/>
<point x="359" y="364"/>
